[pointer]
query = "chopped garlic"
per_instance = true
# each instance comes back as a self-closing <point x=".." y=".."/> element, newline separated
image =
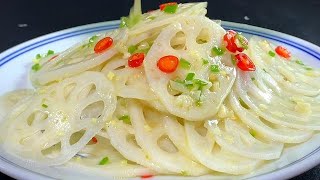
<point x="277" y="113"/>
<point x="147" y="127"/>
<point x="94" y="120"/>
<point x="110" y="75"/>
<point x="263" y="107"/>
<point x="184" y="101"/>
<point x="302" y="107"/>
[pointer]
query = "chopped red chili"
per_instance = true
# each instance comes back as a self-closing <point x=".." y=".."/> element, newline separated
<point x="244" y="62"/>
<point x="168" y="64"/>
<point x="136" y="60"/>
<point x="283" y="52"/>
<point x="103" y="45"/>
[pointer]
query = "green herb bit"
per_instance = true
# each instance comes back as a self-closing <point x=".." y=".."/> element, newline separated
<point x="123" y="22"/>
<point x="299" y="62"/>
<point x="200" y="83"/>
<point x="264" y="70"/>
<point x="38" y="56"/>
<point x="253" y="133"/>
<point x="233" y="60"/>
<point x="104" y="161"/>
<point x="214" y="68"/>
<point x="132" y="49"/>
<point x="125" y="119"/>
<point x="272" y="54"/>
<point x="145" y="51"/>
<point x="44" y="105"/>
<point x="171" y="9"/>
<point x="36" y="67"/>
<point x="205" y="61"/>
<point x="190" y="76"/>
<point x="243" y="41"/>
<point x="216" y="51"/>
<point x="50" y="52"/>
<point x="93" y="39"/>
<point x="308" y="68"/>
<point x="184" y="64"/>
<point x="243" y="104"/>
<point x="253" y="79"/>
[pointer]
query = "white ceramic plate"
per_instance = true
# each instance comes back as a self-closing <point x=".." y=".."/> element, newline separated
<point x="16" y="62"/>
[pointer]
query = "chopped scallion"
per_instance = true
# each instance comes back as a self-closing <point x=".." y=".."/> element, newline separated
<point x="104" y="161"/>
<point x="171" y="9"/>
<point x="125" y="119"/>
<point x="308" y="68"/>
<point x="50" y="52"/>
<point x="272" y="54"/>
<point x="44" y="105"/>
<point x="243" y="41"/>
<point x="190" y="76"/>
<point x="205" y="61"/>
<point x="132" y="49"/>
<point x="214" y="68"/>
<point x="123" y="22"/>
<point x="36" y="67"/>
<point x="253" y="79"/>
<point x="38" y="56"/>
<point x="216" y="51"/>
<point x="299" y="62"/>
<point x="184" y="64"/>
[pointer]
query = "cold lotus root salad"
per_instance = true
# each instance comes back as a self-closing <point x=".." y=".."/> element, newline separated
<point x="170" y="92"/>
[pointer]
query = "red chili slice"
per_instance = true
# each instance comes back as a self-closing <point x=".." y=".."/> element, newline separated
<point x="283" y="52"/>
<point x="162" y="6"/>
<point x="168" y="64"/>
<point x="136" y="60"/>
<point x="146" y="176"/>
<point x="230" y="40"/>
<point x="94" y="140"/>
<point x="103" y="45"/>
<point x="53" y="57"/>
<point x="244" y="62"/>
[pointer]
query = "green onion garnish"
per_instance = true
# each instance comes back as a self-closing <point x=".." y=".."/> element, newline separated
<point x="200" y="83"/>
<point x="214" y="68"/>
<point x="308" y="68"/>
<point x="184" y="64"/>
<point x="272" y="54"/>
<point x="132" y="49"/>
<point x="36" y="67"/>
<point x="93" y="38"/>
<point x="205" y="61"/>
<point x="216" y="51"/>
<point x="299" y="62"/>
<point x="50" y="52"/>
<point x="123" y="22"/>
<point x="125" y="119"/>
<point x="243" y="41"/>
<point x="38" y="56"/>
<point x="264" y="70"/>
<point x="104" y="161"/>
<point x="44" y="105"/>
<point x="233" y="60"/>
<point x="253" y="79"/>
<point x="190" y="76"/>
<point x="171" y="9"/>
